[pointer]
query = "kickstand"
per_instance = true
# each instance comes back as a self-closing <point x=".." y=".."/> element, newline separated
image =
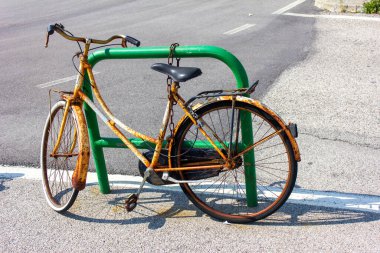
<point x="131" y="201"/>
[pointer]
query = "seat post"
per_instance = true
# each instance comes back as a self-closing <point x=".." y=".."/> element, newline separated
<point x="174" y="86"/>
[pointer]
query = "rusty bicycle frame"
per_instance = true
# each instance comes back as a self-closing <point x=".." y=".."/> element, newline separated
<point x="113" y="123"/>
<point x="76" y="98"/>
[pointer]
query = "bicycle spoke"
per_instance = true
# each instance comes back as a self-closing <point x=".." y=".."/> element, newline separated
<point x="220" y="121"/>
<point x="263" y="148"/>
<point x="276" y="176"/>
<point x="267" y="188"/>
<point x="283" y="153"/>
<point x="267" y="138"/>
<point x="212" y="122"/>
<point x="258" y="129"/>
<point x="262" y="137"/>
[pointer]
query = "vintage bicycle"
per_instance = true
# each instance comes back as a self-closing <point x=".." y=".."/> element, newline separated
<point x="231" y="170"/>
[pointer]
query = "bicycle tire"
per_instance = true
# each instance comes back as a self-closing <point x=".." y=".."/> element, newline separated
<point x="229" y="203"/>
<point x="57" y="171"/>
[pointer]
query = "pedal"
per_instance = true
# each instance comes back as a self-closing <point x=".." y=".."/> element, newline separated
<point x="131" y="202"/>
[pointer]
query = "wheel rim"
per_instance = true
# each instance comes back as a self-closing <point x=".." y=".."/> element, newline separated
<point x="224" y="196"/>
<point x="57" y="170"/>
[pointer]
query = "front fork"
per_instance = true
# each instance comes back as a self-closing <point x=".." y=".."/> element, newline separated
<point x="61" y="128"/>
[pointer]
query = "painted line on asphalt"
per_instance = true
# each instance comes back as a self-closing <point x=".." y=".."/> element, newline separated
<point x="59" y="81"/>
<point x="335" y="200"/>
<point x="332" y="16"/>
<point x="239" y="29"/>
<point x="288" y="7"/>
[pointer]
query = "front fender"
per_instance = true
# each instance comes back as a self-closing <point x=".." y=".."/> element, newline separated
<point x="81" y="168"/>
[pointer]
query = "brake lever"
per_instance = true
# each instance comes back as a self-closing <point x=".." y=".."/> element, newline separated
<point x="50" y="31"/>
<point x="124" y="43"/>
<point x="47" y="40"/>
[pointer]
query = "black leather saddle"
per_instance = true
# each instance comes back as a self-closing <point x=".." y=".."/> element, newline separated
<point x="178" y="74"/>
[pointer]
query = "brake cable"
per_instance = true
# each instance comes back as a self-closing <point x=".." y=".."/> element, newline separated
<point x="80" y="48"/>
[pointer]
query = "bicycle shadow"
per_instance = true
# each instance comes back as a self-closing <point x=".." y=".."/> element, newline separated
<point x="6" y="177"/>
<point x="154" y="207"/>
<point x="306" y="215"/>
<point x="157" y="206"/>
<point x="299" y="214"/>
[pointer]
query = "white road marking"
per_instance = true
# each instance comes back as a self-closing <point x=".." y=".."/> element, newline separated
<point x="288" y="7"/>
<point x="348" y="201"/>
<point x="333" y="16"/>
<point x="239" y="29"/>
<point x="345" y="201"/>
<point x="59" y="81"/>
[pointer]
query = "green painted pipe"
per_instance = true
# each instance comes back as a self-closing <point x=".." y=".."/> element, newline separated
<point x="163" y="52"/>
<point x="94" y="135"/>
<point x="141" y="144"/>
<point x="182" y="52"/>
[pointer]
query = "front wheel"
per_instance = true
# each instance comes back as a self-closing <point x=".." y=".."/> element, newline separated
<point x="222" y="193"/>
<point x="57" y="169"/>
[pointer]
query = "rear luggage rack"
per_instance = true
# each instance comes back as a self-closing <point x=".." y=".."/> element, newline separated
<point x="218" y="93"/>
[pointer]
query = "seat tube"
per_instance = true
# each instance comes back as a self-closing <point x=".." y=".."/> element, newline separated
<point x="168" y="114"/>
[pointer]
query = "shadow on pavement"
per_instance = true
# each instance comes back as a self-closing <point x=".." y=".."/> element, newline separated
<point x="6" y="177"/>
<point x="305" y="215"/>
<point x="155" y="207"/>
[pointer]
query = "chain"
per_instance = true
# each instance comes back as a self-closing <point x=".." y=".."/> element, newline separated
<point x="169" y="82"/>
<point x="171" y="124"/>
<point x="171" y="54"/>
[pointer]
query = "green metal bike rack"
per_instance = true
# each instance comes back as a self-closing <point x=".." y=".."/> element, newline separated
<point x="98" y="143"/>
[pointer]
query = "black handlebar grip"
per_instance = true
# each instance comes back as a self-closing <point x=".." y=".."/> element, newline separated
<point x="133" y="41"/>
<point x="50" y="29"/>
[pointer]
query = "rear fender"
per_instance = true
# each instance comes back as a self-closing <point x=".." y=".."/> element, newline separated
<point x="255" y="103"/>
<point x="271" y="113"/>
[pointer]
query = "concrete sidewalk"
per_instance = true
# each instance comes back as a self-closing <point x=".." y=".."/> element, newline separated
<point x="165" y="221"/>
<point x="334" y="97"/>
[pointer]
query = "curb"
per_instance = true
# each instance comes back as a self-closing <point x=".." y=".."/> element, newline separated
<point x="340" y="5"/>
<point x="335" y="200"/>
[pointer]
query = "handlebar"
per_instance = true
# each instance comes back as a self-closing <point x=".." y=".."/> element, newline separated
<point x="59" y="28"/>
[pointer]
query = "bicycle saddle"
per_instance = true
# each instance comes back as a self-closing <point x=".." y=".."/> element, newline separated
<point x="178" y="74"/>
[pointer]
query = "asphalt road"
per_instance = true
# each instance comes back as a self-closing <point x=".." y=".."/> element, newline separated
<point x="131" y="87"/>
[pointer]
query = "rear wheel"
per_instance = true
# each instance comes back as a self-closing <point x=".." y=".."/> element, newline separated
<point x="57" y="169"/>
<point x="223" y="194"/>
